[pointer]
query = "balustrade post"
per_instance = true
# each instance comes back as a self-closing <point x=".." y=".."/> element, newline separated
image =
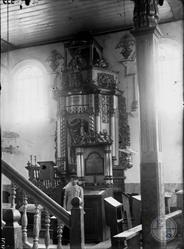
<point x="12" y="230"/>
<point x="47" y="227"/>
<point x="77" y="224"/>
<point x="24" y="221"/>
<point x="60" y="234"/>
<point x="36" y="227"/>
<point x="13" y="195"/>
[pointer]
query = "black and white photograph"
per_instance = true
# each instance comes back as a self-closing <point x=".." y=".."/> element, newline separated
<point x="92" y="105"/>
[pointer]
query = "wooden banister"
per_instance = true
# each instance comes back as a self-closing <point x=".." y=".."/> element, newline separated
<point x="36" y="193"/>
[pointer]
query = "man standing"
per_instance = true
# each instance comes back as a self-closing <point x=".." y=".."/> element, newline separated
<point x="72" y="190"/>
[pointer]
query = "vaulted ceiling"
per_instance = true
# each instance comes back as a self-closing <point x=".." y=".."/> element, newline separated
<point x="56" y="20"/>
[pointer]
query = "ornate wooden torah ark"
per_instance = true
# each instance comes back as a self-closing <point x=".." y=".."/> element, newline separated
<point x="92" y="128"/>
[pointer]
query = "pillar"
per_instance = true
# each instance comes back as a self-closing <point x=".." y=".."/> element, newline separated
<point x="116" y="130"/>
<point x="80" y="164"/>
<point x="97" y="113"/>
<point x="78" y="160"/>
<point x="113" y="128"/>
<point x="98" y="123"/>
<point x="147" y="33"/>
<point x="108" y="165"/>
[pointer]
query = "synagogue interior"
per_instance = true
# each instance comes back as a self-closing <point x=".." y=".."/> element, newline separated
<point x="92" y="95"/>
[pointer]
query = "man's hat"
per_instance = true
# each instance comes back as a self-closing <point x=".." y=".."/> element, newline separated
<point x="74" y="176"/>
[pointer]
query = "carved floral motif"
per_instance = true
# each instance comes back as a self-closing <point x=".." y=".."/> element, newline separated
<point x="106" y="80"/>
<point x="105" y="106"/>
<point x="91" y="138"/>
<point x="79" y="109"/>
<point x="127" y="46"/>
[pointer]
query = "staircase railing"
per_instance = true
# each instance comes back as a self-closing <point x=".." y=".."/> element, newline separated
<point x="50" y="207"/>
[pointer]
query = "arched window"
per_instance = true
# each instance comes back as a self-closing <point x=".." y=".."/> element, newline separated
<point x="29" y="95"/>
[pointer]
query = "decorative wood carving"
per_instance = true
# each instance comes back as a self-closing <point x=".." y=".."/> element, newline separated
<point x="60" y="234"/>
<point x="47" y="226"/>
<point x="105" y="108"/>
<point x="24" y="219"/>
<point x="91" y="138"/>
<point x="101" y="63"/>
<point x="79" y="59"/>
<point x="72" y="80"/>
<point x="127" y="46"/>
<point x="36" y="228"/>
<point x="13" y="195"/>
<point x="79" y="109"/>
<point x="56" y="61"/>
<point x="124" y="132"/>
<point x="97" y="103"/>
<point x="146" y="13"/>
<point x="106" y="80"/>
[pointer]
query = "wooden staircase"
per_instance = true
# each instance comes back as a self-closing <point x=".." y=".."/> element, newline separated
<point x="17" y="221"/>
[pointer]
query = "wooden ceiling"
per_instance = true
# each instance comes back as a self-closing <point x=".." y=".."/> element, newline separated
<point x="56" y="20"/>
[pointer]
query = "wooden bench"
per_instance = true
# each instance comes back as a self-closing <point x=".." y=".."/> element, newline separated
<point x="173" y="214"/>
<point x="130" y="238"/>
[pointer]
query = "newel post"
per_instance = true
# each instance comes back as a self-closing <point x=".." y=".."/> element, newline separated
<point x="12" y="230"/>
<point x="77" y="224"/>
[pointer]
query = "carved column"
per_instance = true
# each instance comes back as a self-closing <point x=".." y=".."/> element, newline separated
<point x="58" y="139"/>
<point x="78" y="160"/>
<point x="97" y="113"/>
<point x="113" y="128"/>
<point x="82" y="178"/>
<point x="152" y="185"/>
<point x="80" y="164"/>
<point x="108" y="165"/>
<point x="116" y="129"/>
<point x="61" y="136"/>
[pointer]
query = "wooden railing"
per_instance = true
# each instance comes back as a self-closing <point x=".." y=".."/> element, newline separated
<point x="49" y="206"/>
